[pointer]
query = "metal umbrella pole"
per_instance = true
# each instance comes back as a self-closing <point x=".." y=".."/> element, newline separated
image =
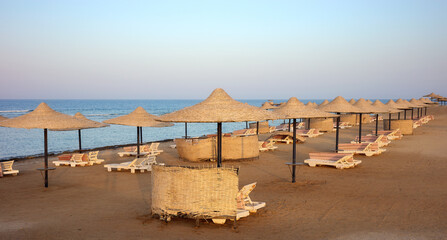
<point x="360" y="127"/>
<point x="337" y="129"/>
<point x="389" y="122"/>
<point x="79" y="137"/>
<point x="257" y="128"/>
<point x="138" y="142"/>
<point x="219" y="144"/>
<point x="186" y="130"/>
<point x="377" y="122"/>
<point x="294" y="151"/>
<point x="405" y="114"/>
<point x="45" y="139"/>
<point x="141" y="135"/>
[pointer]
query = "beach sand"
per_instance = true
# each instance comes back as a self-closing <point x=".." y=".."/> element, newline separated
<point x="400" y="194"/>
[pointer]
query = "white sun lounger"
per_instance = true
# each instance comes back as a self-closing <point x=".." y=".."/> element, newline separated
<point x="141" y="164"/>
<point x="382" y="140"/>
<point x="93" y="158"/>
<point x="244" y="200"/>
<point x="368" y="149"/>
<point x="338" y="160"/>
<point x="75" y="160"/>
<point x="6" y="169"/>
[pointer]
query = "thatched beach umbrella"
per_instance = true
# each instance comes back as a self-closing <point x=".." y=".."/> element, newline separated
<point x="378" y="104"/>
<point x="324" y="103"/>
<point x="294" y="109"/>
<point x="2" y="118"/>
<point x="45" y="118"/>
<point x="268" y="105"/>
<point x="366" y="107"/>
<point x="92" y="124"/>
<point x="219" y="107"/>
<point x="138" y="118"/>
<point x="401" y="104"/>
<point x="419" y="105"/>
<point x="352" y="101"/>
<point x="369" y="101"/>
<point x="338" y="105"/>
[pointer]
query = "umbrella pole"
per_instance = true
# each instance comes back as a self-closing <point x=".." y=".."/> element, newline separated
<point x="398" y="116"/>
<point x="294" y="151"/>
<point x="412" y="113"/>
<point x="141" y="135"/>
<point x="405" y="114"/>
<point x="389" y="121"/>
<point x="377" y="122"/>
<point x="257" y="128"/>
<point x="45" y="139"/>
<point x="360" y="128"/>
<point x="289" y="125"/>
<point x="337" y="129"/>
<point x="246" y="125"/>
<point x="79" y="137"/>
<point x="425" y="111"/>
<point x="186" y="130"/>
<point x="138" y="142"/>
<point x="219" y="144"/>
<point x="308" y="123"/>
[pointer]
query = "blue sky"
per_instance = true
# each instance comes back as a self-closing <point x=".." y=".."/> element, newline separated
<point x="252" y="49"/>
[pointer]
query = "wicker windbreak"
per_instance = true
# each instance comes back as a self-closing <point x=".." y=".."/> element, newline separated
<point x="194" y="192"/>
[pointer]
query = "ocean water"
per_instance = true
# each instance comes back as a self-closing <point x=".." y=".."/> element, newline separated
<point x="16" y="142"/>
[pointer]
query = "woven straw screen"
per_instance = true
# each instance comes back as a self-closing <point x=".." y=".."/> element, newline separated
<point x="233" y="148"/>
<point x="350" y="118"/>
<point x="405" y="126"/>
<point x="263" y="127"/>
<point x="322" y="124"/>
<point x="194" y="192"/>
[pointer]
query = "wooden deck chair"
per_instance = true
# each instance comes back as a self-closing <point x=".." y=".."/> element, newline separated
<point x="132" y="151"/>
<point x="153" y="149"/>
<point x="391" y="135"/>
<point x="72" y="160"/>
<point x="6" y="169"/>
<point x="141" y="164"/>
<point x="285" y="137"/>
<point x="338" y="160"/>
<point x="368" y="149"/>
<point x="244" y="201"/>
<point x="382" y="140"/>
<point x="93" y="158"/>
<point x="266" y="146"/>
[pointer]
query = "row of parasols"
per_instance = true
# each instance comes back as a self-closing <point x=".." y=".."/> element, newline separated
<point x="218" y="108"/>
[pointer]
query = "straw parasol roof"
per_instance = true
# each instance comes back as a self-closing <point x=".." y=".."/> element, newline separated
<point x="426" y="101"/>
<point x="369" y="101"/>
<point x="218" y="107"/>
<point x="310" y="104"/>
<point x="138" y="118"/>
<point x="367" y="107"/>
<point x="412" y="105"/>
<point x="92" y="124"/>
<point x="324" y="102"/>
<point x="295" y="109"/>
<point x="417" y="103"/>
<point x="267" y="105"/>
<point x="45" y="118"/>
<point x="339" y="105"/>
<point x="352" y="101"/>
<point x="431" y="95"/>
<point x="401" y="104"/>
<point x="378" y="104"/>
<point x="3" y="118"/>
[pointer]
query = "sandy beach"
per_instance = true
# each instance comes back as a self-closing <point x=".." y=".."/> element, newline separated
<point x="400" y="194"/>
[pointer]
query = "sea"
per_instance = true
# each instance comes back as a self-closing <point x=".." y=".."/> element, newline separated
<point x="20" y="143"/>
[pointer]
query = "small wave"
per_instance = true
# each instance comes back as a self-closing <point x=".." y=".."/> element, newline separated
<point x="14" y="111"/>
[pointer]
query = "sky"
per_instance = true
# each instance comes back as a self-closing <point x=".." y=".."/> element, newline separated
<point x="252" y="49"/>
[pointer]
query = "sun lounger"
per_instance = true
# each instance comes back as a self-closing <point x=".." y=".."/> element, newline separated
<point x="343" y="125"/>
<point x="244" y="201"/>
<point x="382" y="140"/>
<point x="6" y="169"/>
<point x="391" y="135"/>
<point x="144" y="150"/>
<point x="338" y="160"/>
<point x="131" y="151"/>
<point x="153" y="149"/>
<point x="309" y="133"/>
<point x="93" y="158"/>
<point x="77" y="159"/>
<point x="267" y="145"/>
<point x="141" y="164"/>
<point x="286" y="137"/>
<point x="368" y="149"/>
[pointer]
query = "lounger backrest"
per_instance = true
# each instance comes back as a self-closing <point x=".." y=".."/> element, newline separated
<point x="64" y="157"/>
<point x="151" y="159"/>
<point x="329" y="156"/>
<point x="353" y="146"/>
<point x="93" y="155"/>
<point x="130" y="149"/>
<point x="245" y="191"/>
<point x="6" y="166"/>
<point x="78" y="157"/>
<point x="154" y="146"/>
